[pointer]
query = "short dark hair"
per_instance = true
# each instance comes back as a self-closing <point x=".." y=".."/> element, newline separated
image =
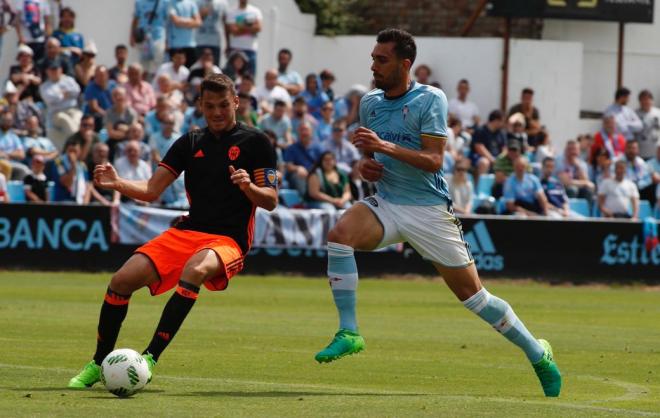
<point x="285" y="51"/>
<point x="244" y="96"/>
<point x="299" y="99"/>
<point x="528" y="90"/>
<point x="464" y="81"/>
<point x="67" y="10"/>
<point x="547" y="159"/>
<point x="176" y="51"/>
<point x="621" y="92"/>
<point x="644" y="94"/>
<point x="404" y="43"/>
<point x="248" y="77"/>
<point x="120" y="47"/>
<point x="71" y="142"/>
<point x="495" y="115"/>
<point x="217" y="83"/>
<point x="279" y="103"/>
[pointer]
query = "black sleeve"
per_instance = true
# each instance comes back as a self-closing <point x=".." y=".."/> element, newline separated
<point x="263" y="164"/>
<point x="176" y="159"/>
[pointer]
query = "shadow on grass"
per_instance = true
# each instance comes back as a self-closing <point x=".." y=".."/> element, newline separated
<point x="281" y="394"/>
<point x="67" y="391"/>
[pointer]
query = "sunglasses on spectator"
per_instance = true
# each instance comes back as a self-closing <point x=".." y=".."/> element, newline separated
<point x="461" y="169"/>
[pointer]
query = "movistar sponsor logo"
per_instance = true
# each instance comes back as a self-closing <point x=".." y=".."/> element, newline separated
<point x="483" y="250"/>
<point x="396" y="137"/>
<point x="617" y="251"/>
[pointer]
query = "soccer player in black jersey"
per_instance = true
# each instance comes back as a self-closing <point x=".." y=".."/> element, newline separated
<point x="230" y="171"/>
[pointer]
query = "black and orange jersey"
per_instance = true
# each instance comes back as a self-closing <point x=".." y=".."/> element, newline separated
<point x="217" y="206"/>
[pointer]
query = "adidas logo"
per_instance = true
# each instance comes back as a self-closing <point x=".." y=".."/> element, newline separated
<point x="483" y="249"/>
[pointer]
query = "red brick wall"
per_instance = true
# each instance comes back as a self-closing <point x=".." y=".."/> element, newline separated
<point x="439" y="18"/>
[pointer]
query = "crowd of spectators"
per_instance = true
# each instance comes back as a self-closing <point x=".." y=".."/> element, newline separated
<point x="62" y="113"/>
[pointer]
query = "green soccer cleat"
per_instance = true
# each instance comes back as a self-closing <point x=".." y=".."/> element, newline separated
<point x="90" y="374"/>
<point x="548" y="372"/>
<point x="151" y="363"/>
<point x="345" y="343"/>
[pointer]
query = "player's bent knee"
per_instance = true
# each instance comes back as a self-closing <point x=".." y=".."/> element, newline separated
<point x="340" y="234"/>
<point x="122" y="284"/>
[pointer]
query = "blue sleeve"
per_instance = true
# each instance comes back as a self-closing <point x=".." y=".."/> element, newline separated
<point x="89" y="94"/>
<point x="434" y="118"/>
<point x="364" y="110"/>
<point x="194" y="10"/>
<point x="537" y="184"/>
<point x="509" y="193"/>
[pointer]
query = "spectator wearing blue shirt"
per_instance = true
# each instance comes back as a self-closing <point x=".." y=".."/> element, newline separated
<point x="11" y="147"/>
<point x="279" y="123"/>
<point x="344" y="151"/>
<point x="35" y="144"/>
<point x="70" y="176"/>
<point x="289" y="79"/>
<point x="149" y="19"/>
<point x="72" y="42"/>
<point x="554" y="190"/>
<point x="324" y="128"/>
<point x="301" y="157"/>
<point x="523" y="192"/>
<point x="488" y="142"/>
<point x="98" y="96"/>
<point x="314" y="96"/>
<point x="184" y="18"/>
<point x="212" y="12"/>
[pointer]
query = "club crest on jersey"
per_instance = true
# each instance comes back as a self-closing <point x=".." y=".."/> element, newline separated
<point x="234" y="152"/>
<point x="405" y="112"/>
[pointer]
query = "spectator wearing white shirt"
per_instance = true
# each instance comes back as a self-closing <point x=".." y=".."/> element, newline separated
<point x="243" y="25"/>
<point x="639" y="172"/>
<point x="462" y="108"/>
<point x="176" y="69"/>
<point x="130" y="166"/>
<point x="627" y="121"/>
<point x="649" y="136"/>
<point x="616" y="195"/>
<point x="270" y="92"/>
<point x="289" y="79"/>
<point x="60" y="93"/>
<point x="33" y="26"/>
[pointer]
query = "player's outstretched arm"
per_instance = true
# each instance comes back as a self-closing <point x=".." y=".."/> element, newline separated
<point x="106" y="176"/>
<point x="429" y="158"/>
<point x="265" y="197"/>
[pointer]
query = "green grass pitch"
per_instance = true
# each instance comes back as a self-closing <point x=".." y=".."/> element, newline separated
<point x="248" y="352"/>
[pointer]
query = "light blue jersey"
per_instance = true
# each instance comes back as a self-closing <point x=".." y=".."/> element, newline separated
<point x="403" y="121"/>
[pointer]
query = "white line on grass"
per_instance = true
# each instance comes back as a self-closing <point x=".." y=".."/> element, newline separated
<point x="343" y="390"/>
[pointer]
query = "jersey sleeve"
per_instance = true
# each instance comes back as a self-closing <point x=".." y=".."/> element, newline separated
<point x="364" y="111"/>
<point x="264" y="164"/>
<point x="434" y="118"/>
<point x="175" y="161"/>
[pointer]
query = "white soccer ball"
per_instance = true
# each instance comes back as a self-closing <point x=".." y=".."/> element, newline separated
<point x="124" y="372"/>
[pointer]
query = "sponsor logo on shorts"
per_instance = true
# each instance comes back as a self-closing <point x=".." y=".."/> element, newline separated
<point x="372" y="201"/>
<point x="481" y="245"/>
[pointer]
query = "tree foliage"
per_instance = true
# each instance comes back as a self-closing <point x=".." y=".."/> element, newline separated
<point x="334" y="17"/>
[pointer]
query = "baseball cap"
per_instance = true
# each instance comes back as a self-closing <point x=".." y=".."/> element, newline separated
<point x="24" y="49"/>
<point x="517" y="118"/>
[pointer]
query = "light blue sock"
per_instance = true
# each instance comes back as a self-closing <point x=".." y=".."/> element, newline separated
<point x="499" y="314"/>
<point x="343" y="278"/>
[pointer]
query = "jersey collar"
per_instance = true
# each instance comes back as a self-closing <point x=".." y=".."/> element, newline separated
<point x="412" y="86"/>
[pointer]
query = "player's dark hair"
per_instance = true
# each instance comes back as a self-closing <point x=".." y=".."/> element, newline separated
<point x="67" y="10"/>
<point x="495" y="115"/>
<point x="621" y="92"/>
<point x="645" y="94"/>
<point x="528" y="90"/>
<point x="285" y="51"/>
<point x="217" y="83"/>
<point x="404" y="43"/>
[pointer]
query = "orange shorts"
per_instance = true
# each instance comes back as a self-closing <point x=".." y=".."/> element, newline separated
<point x="170" y="251"/>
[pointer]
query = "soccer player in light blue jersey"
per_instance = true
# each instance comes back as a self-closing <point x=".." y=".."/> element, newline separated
<point x="403" y="135"/>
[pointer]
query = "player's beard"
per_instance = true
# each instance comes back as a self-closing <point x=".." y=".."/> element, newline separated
<point x="388" y="83"/>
